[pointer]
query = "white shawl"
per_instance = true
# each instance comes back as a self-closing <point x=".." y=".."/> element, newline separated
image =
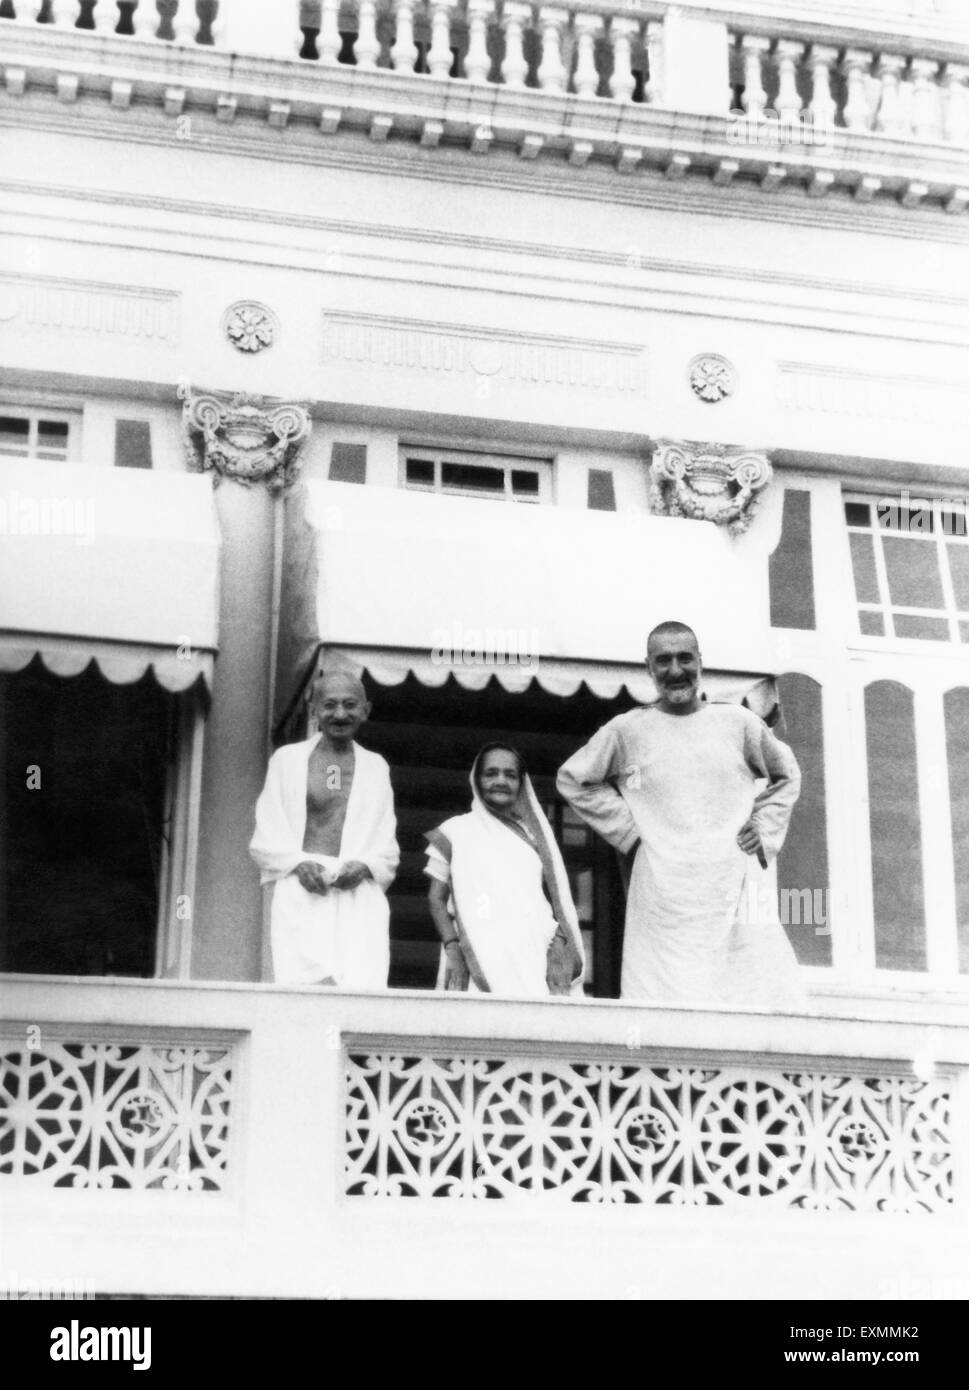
<point x="369" y="831"/>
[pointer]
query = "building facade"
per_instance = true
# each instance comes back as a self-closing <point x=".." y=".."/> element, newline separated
<point x="463" y="341"/>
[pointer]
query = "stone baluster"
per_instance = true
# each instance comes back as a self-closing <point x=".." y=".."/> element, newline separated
<point x="328" y="40"/>
<point x="622" y="83"/>
<point x="586" y="74"/>
<point x="439" y="55"/>
<point x="477" y="63"/>
<point x="823" y="105"/>
<point x="403" y="54"/>
<point x="106" y="17"/>
<point x="551" y="71"/>
<point x="63" y="13"/>
<point x="144" y="19"/>
<point x="754" y="47"/>
<point x="654" y="52"/>
<point x="787" y="55"/>
<point x="366" y="50"/>
<point x="515" y="15"/>
<point x="29" y="10"/>
<point x="890" y="118"/>
<point x="857" y="106"/>
<point x="185" y="23"/>
<point x="956" y="103"/>
<point x="926" y="111"/>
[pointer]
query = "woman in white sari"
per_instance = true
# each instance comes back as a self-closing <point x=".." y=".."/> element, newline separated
<point x="499" y="894"/>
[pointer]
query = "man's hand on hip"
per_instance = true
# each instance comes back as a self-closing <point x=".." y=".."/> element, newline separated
<point x="352" y="874"/>
<point x="749" y="840"/>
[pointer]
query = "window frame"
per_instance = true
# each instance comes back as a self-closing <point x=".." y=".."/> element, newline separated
<point x="35" y="413"/>
<point x="541" y="464"/>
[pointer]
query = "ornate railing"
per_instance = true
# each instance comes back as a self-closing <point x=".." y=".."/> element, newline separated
<point x="300" y="1142"/>
<point x="483" y="1126"/>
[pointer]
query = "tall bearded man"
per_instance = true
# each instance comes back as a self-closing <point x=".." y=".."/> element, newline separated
<point x="326" y="838"/>
<point x="674" y="782"/>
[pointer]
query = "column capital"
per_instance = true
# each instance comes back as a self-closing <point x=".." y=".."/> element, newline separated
<point x="243" y="437"/>
<point x="708" y="482"/>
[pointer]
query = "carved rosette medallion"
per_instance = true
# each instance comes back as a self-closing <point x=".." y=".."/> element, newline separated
<point x="707" y="482"/>
<point x="243" y="438"/>
<point x="249" y="326"/>
<point x="712" y="377"/>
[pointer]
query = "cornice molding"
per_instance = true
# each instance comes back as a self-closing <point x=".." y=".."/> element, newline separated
<point x="88" y="307"/>
<point x="287" y="100"/>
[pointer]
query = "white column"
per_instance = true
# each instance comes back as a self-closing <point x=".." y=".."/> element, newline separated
<point x="754" y="47"/>
<point x="144" y="21"/>
<point x="64" y="13"/>
<point x="935" y="819"/>
<point x="857" y="106"/>
<point x="403" y="54"/>
<point x="257" y="27"/>
<point x="586" y="75"/>
<point x="106" y="16"/>
<point x="185" y="23"/>
<point x="515" y="15"/>
<point x="956" y="103"/>
<point x="654" y="52"/>
<point x="926" y="112"/>
<point x="696" y="64"/>
<point x="366" y="50"/>
<point x="477" y="64"/>
<point x="891" y="117"/>
<point x="328" y="41"/>
<point x="439" y="56"/>
<point x="552" y="76"/>
<point x="787" y="55"/>
<point x="622" y="82"/>
<point x="823" y="106"/>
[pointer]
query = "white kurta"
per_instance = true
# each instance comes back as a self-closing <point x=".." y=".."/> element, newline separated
<point x="684" y="785"/>
<point x="343" y="935"/>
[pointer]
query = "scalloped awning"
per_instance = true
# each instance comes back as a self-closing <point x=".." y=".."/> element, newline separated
<point x="116" y="566"/>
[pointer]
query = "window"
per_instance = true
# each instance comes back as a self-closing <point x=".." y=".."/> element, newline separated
<point x="476" y="475"/>
<point x="910" y="559"/>
<point x="34" y="434"/>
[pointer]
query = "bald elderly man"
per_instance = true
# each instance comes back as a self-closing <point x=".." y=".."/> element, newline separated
<point x="675" y="784"/>
<point x="326" y="838"/>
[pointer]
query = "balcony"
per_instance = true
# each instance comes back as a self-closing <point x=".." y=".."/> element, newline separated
<point x="261" y="1141"/>
<point x="866" y="100"/>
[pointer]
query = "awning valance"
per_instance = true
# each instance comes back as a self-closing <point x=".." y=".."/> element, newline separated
<point x="391" y="667"/>
<point x="113" y="565"/>
<point x="451" y="586"/>
<point x="119" y="663"/>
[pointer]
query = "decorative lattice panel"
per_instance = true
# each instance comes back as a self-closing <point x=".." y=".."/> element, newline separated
<point x="128" y="1115"/>
<point x="614" y="1132"/>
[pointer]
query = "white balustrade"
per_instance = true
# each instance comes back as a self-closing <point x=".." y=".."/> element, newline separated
<point x="367" y="47"/>
<point x="857" y="112"/>
<point x="515" y="16"/>
<point x="63" y="13"/>
<point x="586" y="73"/>
<point x="439" y="56"/>
<point x="787" y="55"/>
<point x="328" y="42"/>
<point x="622" y="83"/>
<point x="822" y="105"/>
<point x="403" y="52"/>
<point x="477" y="63"/>
<point x="106" y="16"/>
<point x="925" y="99"/>
<point x="145" y="19"/>
<point x="551" y="70"/>
<point x="754" y="48"/>
<point x="956" y="103"/>
<point x="185" y="23"/>
<point x="890" y="116"/>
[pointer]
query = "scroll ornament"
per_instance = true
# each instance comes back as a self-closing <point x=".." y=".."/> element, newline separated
<point x="243" y="438"/>
<point x="707" y="482"/>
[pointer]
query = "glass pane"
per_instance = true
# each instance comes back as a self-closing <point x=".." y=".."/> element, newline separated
<point x="929" y="629"/>
<point x="957" y="747"/>
<point x="913" y="572"/>
<point x="896" y="832"/>
<point x="863" y="564"/>
<point x="14" y="435"/>
<point x="473" y="476"/>
<point x="52" y="436"/>
<point x="959" y="569"/>
<point x="871" y="624"/>
<point x="857" y="514"/>
<point x="802" y="866"/>
<point x="523" y="481"/>
<point x="420" y="472"/>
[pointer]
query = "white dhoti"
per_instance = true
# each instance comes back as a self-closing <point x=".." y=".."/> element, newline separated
<point x="343" y="935"/>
